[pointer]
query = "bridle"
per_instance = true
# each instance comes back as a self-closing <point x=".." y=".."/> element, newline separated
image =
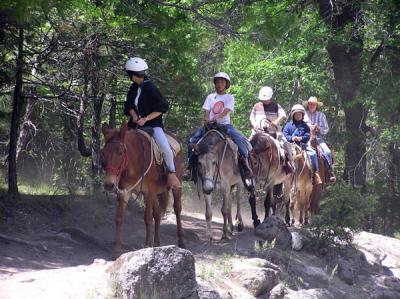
<point x="117" y="170"/>
<point x="217" y="167"/>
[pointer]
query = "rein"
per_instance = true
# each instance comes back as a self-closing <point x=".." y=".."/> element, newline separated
<point x="124" y="164"/>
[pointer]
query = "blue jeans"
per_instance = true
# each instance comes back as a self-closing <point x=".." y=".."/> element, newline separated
<point x="193" y="139"/>
<point x="236" y="136"/>
<point x="326" y="152"/>
<point x="312" y="154"/>
<point x="239" y="139"/>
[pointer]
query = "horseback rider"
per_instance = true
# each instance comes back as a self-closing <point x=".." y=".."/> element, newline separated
<point x="217" y="109"/>
<point x="297" y="131"/>
<point x="267" y="116"/>
<point x="317" y="121"/>
<point x="145" y="106"/>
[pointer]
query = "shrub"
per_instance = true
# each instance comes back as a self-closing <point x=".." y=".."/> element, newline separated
<point x="342" y="213"/>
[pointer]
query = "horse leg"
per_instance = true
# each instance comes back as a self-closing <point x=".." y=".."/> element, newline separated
<point x="239" y="220"/>
<point x="119" y="220"/>
<point x="225" y="210"/>
<point x="177" y="193"/>
<point x="207" y="200"/>
<point x="254" y="216"/>
<point x="267" y="202"/>
<point x="148" y="218"/>
<point x="157" y="221"/>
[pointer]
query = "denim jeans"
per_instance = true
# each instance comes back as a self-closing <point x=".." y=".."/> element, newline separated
<point x="312" y="154"/>
<point x="193" y="139"/>
<point x="236" y="136"/>
<point x="326" y="152"/>
<point x="239" y="139"/>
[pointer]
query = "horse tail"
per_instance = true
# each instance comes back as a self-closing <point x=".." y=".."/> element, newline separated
<point x="163" y="200"/>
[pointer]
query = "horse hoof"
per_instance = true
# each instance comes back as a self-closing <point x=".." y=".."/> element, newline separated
<point x="182" y="244"/>
<point x="256" y="223"/>
<point x="240" y="227"/>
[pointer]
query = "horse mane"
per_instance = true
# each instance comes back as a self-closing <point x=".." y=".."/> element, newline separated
<point x="261" y="141"/>
<point x="209" y="140"/>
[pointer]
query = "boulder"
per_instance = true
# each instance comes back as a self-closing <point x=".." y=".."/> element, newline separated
<point x="161" y="272"/>
<point x="273" y="229"/>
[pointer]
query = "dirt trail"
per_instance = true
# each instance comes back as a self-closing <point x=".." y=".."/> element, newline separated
<point x="40" y="233"/>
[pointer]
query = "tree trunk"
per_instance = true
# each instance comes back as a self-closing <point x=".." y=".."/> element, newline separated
<point x="346" y="60"/>
<point x="16" y="111"/>
<point x="113" y="110"/>
<point x="27" y="122"/>
<point x="96" y="117"/>
<point x="85" y="151"/>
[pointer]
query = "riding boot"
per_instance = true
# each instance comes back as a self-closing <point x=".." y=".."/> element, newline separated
<point x="246" y="170"/>
<point x="173" y="181"/>
<point x="331" y="177"/>
<point x="317" y="179"/>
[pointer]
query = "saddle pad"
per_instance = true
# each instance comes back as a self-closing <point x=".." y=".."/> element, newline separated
<point x="157" y="152"/>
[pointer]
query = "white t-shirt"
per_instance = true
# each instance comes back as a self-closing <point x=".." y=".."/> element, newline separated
<point x="217" y="103"/>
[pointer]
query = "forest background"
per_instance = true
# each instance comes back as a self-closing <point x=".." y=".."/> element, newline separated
<point x="62" y="76"/>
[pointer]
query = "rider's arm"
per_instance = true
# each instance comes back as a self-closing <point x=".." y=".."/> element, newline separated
<point x="323" y="125"/>
<point x="253" y="117"/>
<point x="225" y="112"/>
<point x="306" y="137"/>
<point x="206" y="115"/>
<point x="281" y="115"/>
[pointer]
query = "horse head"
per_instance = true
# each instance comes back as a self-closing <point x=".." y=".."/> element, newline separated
<point x="114" y="156"/>
<point x="209" y="151"/>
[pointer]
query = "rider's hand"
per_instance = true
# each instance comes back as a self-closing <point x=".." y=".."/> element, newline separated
<point x="296" y="138"/>
<point x="141" y="121"/>
<point x="274" y="124"/>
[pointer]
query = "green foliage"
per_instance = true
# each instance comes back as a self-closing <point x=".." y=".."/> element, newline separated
<point x="343" y="212"/>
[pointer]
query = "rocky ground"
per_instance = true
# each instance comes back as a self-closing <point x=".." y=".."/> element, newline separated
<point x="61" y="246"/>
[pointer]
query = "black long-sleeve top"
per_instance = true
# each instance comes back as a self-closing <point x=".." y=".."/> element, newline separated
<point x="150" y="100"/>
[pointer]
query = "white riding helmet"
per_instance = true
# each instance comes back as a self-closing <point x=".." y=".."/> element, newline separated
<point x="265" y="93"/>
<point x="297" y="108"/>
<point x="224" y="76"/>
<point x="136" y="66"/>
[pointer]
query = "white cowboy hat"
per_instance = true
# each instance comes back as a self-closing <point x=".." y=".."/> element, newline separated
<point x="313" y="100"/>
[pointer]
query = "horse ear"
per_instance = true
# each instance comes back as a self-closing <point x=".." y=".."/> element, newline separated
<point x="105" y="128"/>
<point x="195" y="148"/>
<point x="123" y="130"/>
<point x="107" y="132"/>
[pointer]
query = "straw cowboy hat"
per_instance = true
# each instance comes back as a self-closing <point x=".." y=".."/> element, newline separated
<point x="312" y="100"/>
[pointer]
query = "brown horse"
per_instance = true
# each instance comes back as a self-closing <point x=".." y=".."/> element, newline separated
<point x="317" y="191"/>
<point x="267" y="165"/>
<point x="298" y="188"/>
<point x="218" y="169"/>
<point x="130" y="167"/>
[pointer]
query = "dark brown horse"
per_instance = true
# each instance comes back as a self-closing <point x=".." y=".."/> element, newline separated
<point x="318" y="188"/>
<point x="130" y="167"/>
<point x="268" y="169"/>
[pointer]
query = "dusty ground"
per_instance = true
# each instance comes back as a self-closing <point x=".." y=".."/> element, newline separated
<point x="59" y="247"/>
<point x="40" y="233"/>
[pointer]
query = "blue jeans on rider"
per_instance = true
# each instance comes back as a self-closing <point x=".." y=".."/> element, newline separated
<point x="312" y="154"/>
<point x="236" y="136"/>
<point x="194" y="138"/>
<point x="326" y="152"/>
<point x="239" y="139"/>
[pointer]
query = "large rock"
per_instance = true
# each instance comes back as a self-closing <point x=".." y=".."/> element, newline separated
<point x="274" y="229"/>
<point x="256" y="275"/>
<point x="282" y="292"/>
<point x="206" y="290"/>
<point x="161" y="272"/>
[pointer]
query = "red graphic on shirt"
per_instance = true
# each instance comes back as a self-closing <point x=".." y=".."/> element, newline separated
<point x="218" y="107"/>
